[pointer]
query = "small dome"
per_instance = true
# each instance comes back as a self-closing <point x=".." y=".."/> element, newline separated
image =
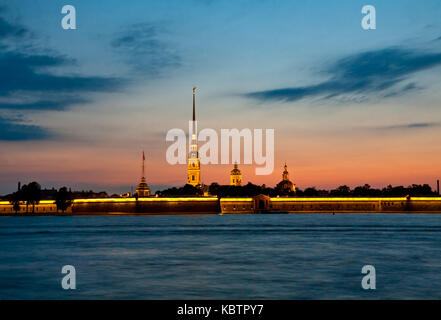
<point x="286" y="184"/>
<point x="236" y="170"/>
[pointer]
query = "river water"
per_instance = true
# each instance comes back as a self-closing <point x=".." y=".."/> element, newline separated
<point x="296" y="256"/>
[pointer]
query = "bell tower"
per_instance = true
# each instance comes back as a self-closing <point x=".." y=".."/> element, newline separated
<point x="235" y="176"/>
<point x="194" y="166"/>
<point x="285" y="174"/>
<point x="143" y="189"/>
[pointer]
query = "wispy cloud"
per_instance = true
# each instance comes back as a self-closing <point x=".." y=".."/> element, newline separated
<point x="57" y="104"/>
<point x="28" y="83"/>
<point x="26" y="72"/>
<point x="143" y="46"/>
<point x="10" y="30"/>
<point x="12" y="129"/>
<point x="380" y="72"/>
<point x="416" y="125"/>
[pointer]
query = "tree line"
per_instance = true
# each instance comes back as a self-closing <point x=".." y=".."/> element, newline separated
<point x="30" y="195"/>
<point x="250" y="190"/>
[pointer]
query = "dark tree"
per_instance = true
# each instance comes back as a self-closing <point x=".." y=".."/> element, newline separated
<point x="31" y="194"/>
<point x="420" y="190"/>
<point x="310" y="192"/>
<point x="63" y="199"/>
<point x="248" y="190"/>
<point x="362" y="190"/>
<point x="390" y="191"/>
<point x="24" y="190"/>
<point x="187" y="190"/>
<point x="16" y="199"/>
<point x="214" y="188"/>
<point x="343" y="191"/>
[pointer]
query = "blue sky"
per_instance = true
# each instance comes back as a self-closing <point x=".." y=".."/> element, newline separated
<point x="77" y="106"/>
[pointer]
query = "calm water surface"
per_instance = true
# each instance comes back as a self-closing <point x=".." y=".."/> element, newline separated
<point x="313" y="256"/>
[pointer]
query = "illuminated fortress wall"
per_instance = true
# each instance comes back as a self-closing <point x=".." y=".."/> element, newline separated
<point x="147" y="206"/>
<point x="237" y="205"/>
<point x="331" y="205"/>
<point x="396" y="204"/>
<point x="44" y="207"/>
<point x="212" y="205"/>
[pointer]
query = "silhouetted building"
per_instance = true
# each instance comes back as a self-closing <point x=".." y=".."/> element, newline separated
<point x="286" y="185"/>
<point x="143" y="189"/>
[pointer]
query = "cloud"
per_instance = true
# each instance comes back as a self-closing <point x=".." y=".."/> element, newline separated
<point x="377" y="71"/>
<point x="22" y="72"/>
<point x="33" y="79"/>
<point x="56" y="104"/>
<point x="144" y="47"/>
<point x="12" y="130"/>
<point x="9" y="30"/>
<point x="417" y="125"/>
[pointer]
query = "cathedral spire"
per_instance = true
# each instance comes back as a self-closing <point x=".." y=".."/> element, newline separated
<point x="143" y="189"/>
<point x="194" y="103"/>
<point x="194" y="170"/>
<point x="143" y="159"/>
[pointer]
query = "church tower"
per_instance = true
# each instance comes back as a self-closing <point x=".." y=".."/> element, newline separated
<point x="285" y="174"/>
<point x="235" y="176"/>
<point x="194" y="166"/>
<point x="286" y="186"/>
<point x="143" y="189"/>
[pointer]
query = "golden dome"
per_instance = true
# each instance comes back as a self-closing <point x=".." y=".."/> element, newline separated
<point x="236" y="170"/>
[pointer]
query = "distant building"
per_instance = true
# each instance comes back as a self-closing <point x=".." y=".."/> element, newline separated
<point x="194" y="166"/>
<point x="235" y="176"/>
<point x="143" y="189"/>
<point x="286" y="186"/>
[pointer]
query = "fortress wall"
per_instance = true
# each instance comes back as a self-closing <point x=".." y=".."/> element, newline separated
<point x="44" y="207"/>
<point x="363" y="205"/>
<point x="123" y="206"/>
<point x="211" y="205"/>
<point x="236" y="205"/>
<point x="424" y="205"/>
<point x="147" y="206"/>
<point x="324" y="205"/>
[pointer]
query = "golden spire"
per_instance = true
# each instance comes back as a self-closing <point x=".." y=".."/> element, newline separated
<point x="143" y="159"/>
<point x="285" y="174"/>
<point x="194" y="103"/>
<point x="193" y="170"/>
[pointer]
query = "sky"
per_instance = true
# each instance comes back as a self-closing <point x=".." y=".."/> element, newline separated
<point x="348" y="105"/>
